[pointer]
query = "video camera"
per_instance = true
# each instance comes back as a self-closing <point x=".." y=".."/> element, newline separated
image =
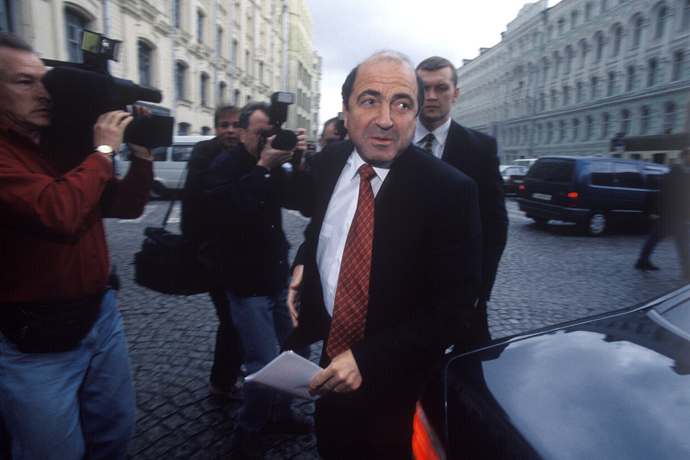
<point x="82" y="92"/>
<point x="285" y="139"/>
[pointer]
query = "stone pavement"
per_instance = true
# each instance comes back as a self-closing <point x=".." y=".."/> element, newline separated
<point x="547" y="275"/>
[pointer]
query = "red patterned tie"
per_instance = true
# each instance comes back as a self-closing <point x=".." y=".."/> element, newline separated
<point x="352" y="294"/>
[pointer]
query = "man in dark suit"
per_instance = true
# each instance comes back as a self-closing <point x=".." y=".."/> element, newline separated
<point x="425" y="265"/>
<point x="473" y="153"/>
<point x="197" y="226"/>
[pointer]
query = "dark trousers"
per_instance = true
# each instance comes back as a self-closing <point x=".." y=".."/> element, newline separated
<point x="228" y="355"/>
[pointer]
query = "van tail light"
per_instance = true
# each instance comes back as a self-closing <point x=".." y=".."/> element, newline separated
<point x="573" y="200"/>
<point x="426" y="444"/>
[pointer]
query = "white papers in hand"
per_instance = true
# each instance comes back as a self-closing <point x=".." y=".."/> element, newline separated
<point x="288" y="372"/>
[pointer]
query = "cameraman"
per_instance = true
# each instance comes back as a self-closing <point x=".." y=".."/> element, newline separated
<point x="247" y="186"/>
<point x="66" y="390"/>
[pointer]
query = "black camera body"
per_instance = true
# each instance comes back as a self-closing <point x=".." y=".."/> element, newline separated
<point x="82" y="92"/>
<point x="285" y="139"/>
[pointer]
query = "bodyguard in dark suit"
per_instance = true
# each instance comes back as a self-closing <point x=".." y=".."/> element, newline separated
<point x="473" y="153"/>
<point x="425" y="265"/>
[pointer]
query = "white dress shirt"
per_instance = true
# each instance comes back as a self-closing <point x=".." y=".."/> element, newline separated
<point x="440" y="133"/>
<point x="337" y="221"/>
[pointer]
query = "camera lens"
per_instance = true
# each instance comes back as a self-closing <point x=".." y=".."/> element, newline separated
<point x="285" y="140"/>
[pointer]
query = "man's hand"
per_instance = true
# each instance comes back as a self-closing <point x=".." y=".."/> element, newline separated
<point x="271" y="158"/>
<point x="294" y="291"/>
<point x="110" y="127"/>
<point x="303" y="146"/>
<point x="341" y="376"/>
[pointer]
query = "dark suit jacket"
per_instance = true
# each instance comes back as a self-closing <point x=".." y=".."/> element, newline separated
<point x="425" y="269"/>
<point x="474" y="153"/>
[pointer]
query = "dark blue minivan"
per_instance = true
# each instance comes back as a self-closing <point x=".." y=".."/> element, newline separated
<point x="593" y="192"/>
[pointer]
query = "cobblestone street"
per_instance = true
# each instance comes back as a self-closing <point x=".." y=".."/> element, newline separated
<point x="547" y="275"/>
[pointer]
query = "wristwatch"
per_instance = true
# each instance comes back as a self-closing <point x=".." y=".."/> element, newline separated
<point x="106" y="150"/>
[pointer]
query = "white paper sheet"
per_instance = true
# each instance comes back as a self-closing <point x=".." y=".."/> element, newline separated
<point x="288" y="372"/>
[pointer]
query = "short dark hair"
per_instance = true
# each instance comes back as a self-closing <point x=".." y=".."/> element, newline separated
<point x="389" y="55"/>
<point x="435" y="63"/>
<point x="328" y="122"/>
<point x="249" y="109"/>
<point x="223" y="111"/>
<point x="9" y="40"/>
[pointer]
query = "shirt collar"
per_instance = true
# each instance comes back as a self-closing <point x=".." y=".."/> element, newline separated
<point x="440" y="133"/>
<point x="355" y="161"/>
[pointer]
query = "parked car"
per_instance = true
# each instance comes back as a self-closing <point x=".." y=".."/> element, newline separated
<point x="169" y="167"/>
<point x="591" y="191"/>
<point x="513" y="176"/>
<point x="613" y="386"/>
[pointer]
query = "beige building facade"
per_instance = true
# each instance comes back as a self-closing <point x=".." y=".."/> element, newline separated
<point x="199" y="53"/>
<point x="584" y="77"/>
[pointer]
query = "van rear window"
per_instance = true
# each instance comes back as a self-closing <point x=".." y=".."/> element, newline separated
<point x="552" y="170"/>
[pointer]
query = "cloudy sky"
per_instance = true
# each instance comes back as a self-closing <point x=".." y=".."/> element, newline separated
<point x="348" y="31"/>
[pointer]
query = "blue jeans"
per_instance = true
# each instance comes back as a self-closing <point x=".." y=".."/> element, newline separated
<point x="264" y="324"/>
<point x="73" y="405"/>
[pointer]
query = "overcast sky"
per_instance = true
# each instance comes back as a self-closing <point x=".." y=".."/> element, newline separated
<point x="346" y="32"/>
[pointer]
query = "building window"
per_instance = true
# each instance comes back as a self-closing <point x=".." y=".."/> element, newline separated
<point x="594" y="87"/>
<point x="183" y="129"/>
<point x="685" y="20"/>
<point x="561" y="130"/>
<point x="604" y="6"/>
<point x="576" y="129"/>
<point x="542" y="101"/>
<point x="605" y="121"/>
<point x="236" y="98"/>
<point x="611" y="84"/>
<point x="652" y="71"/>
<point x="669" y="117"/>
<point x="222" y="89"/>
<point x="588" y="127"/>
<point x="569" y="57"/>
<point x="549" y="132"/>
<point x="617" y="39"/>
<point x="637" y="31"/>
<point x="580" y="90"/>
<point x="584" y="48"/>
<point x="219" y="41"/>
<point x="75" y="25"/>
<point x="177" y="8"/>
<point x="677" y="70"/>
<point x="645" y="115"/>
<point x="589" y="7"/>
<point x="145" y="64"/>
<point x="660" y="23"/>
<point x="233" y="55"/>
<point x="625" y="122"/>
<point x="180" y="80"/>
<point x="630" y="79"/>
<point x="204" y="90"/>
<point x="599" y="46"/>
<point x="566" y="95"/>
<point x="205" y="131"/>
<point x="200" y="26"/>
<point x="561" y="26"/>
<point x="554" y="99"/>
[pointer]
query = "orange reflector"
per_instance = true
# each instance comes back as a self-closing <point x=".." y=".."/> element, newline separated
<point x="425" y="442"/>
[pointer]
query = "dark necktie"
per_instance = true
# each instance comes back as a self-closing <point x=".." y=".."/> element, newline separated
<point x="352" y="293"/>
<point x="429" y="139"/>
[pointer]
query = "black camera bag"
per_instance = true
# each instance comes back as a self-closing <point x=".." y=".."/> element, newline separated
<point x="171" y="264"/>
